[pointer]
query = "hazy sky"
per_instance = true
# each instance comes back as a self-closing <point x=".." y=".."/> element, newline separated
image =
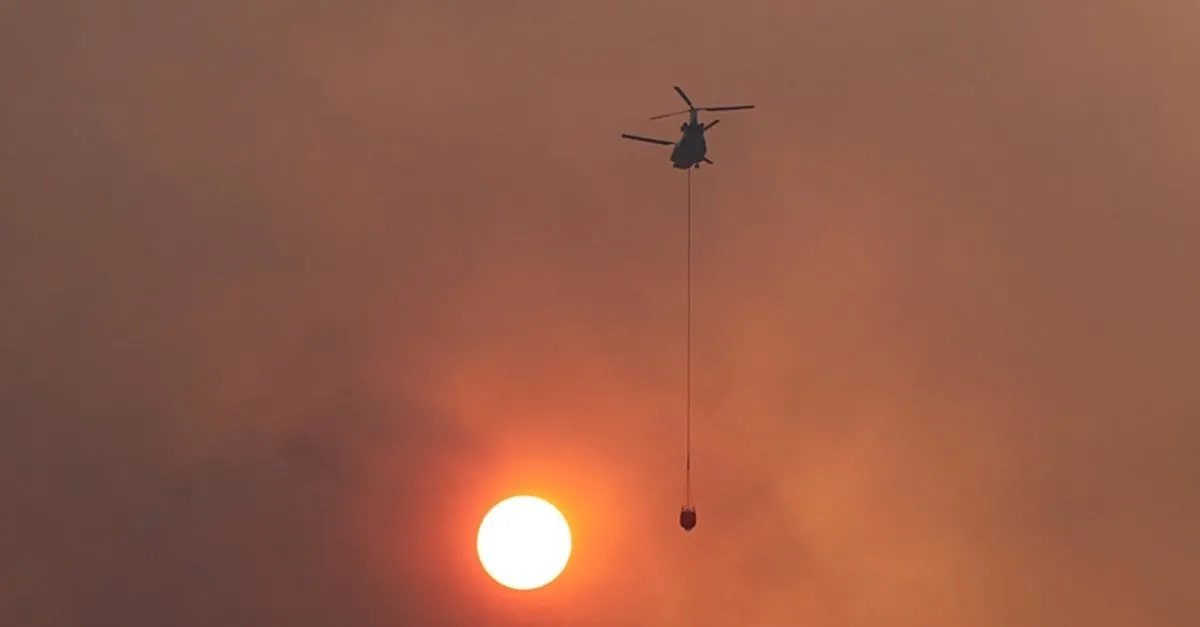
<point x="294" y="291"/>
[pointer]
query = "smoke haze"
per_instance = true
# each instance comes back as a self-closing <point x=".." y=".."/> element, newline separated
<point x="293" y="292"/>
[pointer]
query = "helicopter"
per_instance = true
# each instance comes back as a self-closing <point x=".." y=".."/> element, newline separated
<point x="691" y="149"/>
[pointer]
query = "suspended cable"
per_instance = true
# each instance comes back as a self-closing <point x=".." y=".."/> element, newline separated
<point x="688" y="411"/>
<point x="687" y="516"/>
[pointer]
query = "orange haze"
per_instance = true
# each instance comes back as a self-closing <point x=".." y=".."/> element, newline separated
<point x="292" y="292"/>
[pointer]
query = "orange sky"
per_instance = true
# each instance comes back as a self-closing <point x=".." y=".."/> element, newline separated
<point x="294" y="292"/>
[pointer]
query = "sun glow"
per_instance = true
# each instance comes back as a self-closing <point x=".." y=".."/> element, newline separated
<point x="524" y="543"/>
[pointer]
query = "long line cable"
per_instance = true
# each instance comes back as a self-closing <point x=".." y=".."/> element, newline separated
<point x="688" y="411"/>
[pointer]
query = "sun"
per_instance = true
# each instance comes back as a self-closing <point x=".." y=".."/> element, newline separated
<point x="524" y="543"/>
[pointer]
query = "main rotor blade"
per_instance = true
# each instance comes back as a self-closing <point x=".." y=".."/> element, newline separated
<point x="668" y="115"/>
<point x="685" y="98"/>
<point x="648" y="140"/>
<point x="729" y="108"/>
<point x="711" y="124"/>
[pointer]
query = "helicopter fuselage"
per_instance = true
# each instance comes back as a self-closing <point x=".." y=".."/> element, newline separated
<point x="691" y="149"/>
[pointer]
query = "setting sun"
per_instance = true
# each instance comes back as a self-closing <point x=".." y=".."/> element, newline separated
<point x="524" y="543"/>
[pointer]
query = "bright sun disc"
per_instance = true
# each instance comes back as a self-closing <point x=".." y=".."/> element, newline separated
<point x="524" y="543"/>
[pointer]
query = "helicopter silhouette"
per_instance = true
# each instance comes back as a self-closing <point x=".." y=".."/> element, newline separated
<point x="691" y="150"/>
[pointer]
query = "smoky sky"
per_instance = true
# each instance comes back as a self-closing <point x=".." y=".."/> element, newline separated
<point x="293" y="292"/>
